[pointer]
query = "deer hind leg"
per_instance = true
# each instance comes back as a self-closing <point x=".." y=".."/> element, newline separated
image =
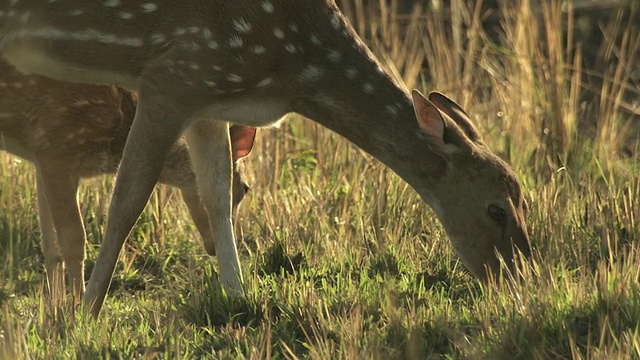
<point x="157" y="124"/>
<point x="50" y="248"/>
<point x="200" y="218"/>
<point x="210" y="151"/>
<point x="58" y="187"/>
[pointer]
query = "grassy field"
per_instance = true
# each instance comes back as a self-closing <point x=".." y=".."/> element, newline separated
<point x="343" y="260"/>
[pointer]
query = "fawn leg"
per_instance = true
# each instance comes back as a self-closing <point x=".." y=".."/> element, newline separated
<point x="157" y="124"/>
<point x="58" y="187"/>
<point x="210" y="151"/>
<point x="200" y="218"/>
<point x="52" y="258"/>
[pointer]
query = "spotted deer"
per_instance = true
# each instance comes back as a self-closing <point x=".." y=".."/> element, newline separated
<point x="72" y="131"/>
<point x="198" y="65"/>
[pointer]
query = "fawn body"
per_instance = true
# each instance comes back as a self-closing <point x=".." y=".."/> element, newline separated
<point x="72" y="131"/>
<point x="202" y="63"/>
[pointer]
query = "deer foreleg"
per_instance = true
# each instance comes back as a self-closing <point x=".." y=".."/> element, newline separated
<point x="157" y="124"/>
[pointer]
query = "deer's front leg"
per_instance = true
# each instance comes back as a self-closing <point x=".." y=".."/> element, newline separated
<point x="157" y="125"/>
<point x="210" y="152"/>
<point x="61" y="224"/>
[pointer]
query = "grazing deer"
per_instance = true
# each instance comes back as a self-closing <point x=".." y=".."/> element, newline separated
<point x="71" y="131"/>
<point x="200" y="64"/>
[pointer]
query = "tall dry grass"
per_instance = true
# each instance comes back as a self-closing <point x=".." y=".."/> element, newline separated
<point x="342" y="259"/>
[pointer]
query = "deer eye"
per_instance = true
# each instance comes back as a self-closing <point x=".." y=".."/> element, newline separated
<point x="497" y="213"/>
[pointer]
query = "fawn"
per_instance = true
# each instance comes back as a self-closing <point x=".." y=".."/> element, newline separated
<point x="72" y="131"/>
<point x="200" y="64"/>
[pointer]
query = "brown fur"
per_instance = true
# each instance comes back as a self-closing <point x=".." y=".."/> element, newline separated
<point x="202" y="64"/>
<point x="72" y="131"/>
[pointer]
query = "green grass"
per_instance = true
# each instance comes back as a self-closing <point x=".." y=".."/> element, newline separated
<point x="343" y="260"/>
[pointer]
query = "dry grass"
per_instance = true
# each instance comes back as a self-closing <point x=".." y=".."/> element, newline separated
<point x="342" y="259"/>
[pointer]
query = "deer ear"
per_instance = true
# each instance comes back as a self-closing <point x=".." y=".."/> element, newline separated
<point x="457" y="114"/>
<point x="242" y="138"/>
<point x="432" y="125"/>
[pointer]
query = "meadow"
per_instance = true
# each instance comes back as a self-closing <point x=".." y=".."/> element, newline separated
<point x="342" y="260"/>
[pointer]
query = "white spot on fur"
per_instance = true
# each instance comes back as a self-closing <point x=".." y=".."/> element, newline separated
<point x="290" y="48"/>
<point x="241" y="25"/>
<point x="190" y="45"/>
<point x="367" y="88"/>
<point x="315" y="40"/>
<point x="81" y="103"/>
<point x="235" y="42"/>
<point x="111" y="3"/>
<point x="325" y="99"/>
<point x="311" y="73"/>
<point x="125" y="15"/>
<point x="334" y="55"/>
<point x="264" y="82"/>
<point x="351" y="73"/>
<point x="207" y="34"/>
<point x="149" y="7"/>
<point x="278" y="33"/>
<point x="259" y="49"/>
<point x="24" y="18"/>
<point x="234" y="78"/>
<point x="157" y="39"/>
<point x="391" y="109"/>
<point x="335" y="22"/>
<point x="267" y="7"/>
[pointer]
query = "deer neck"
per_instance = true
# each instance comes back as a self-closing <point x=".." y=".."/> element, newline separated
<point x="391" y="139"/>
<point x="348" y="92"/>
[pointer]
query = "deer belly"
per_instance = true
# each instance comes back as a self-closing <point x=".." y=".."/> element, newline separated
<point x="257" y="112"/>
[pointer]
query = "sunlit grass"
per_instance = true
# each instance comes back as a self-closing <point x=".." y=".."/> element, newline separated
<point x="342" y="259"/>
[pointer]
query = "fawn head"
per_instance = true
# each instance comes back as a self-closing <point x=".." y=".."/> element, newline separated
<point x="481" y="205"/>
